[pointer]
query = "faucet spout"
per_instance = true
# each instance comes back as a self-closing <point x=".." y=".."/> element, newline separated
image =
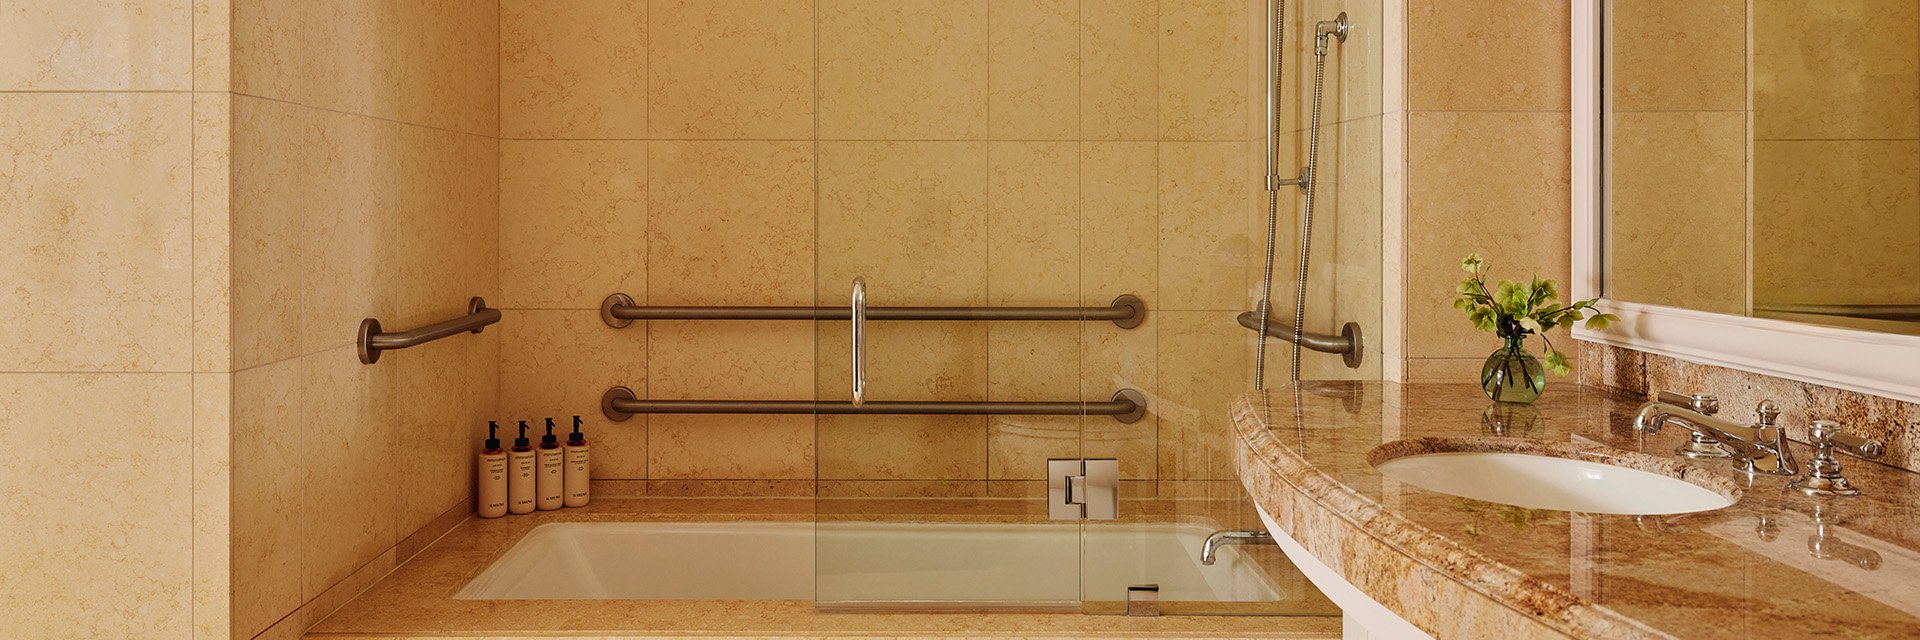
<point x="1749" y="444"/>
<point x="1224" y="538"/>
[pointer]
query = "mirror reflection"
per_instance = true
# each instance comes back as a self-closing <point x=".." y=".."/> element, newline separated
<point x="1765" y="164"/>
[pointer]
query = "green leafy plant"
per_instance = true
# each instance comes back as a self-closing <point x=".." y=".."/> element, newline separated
<point x="1514" y="310"/>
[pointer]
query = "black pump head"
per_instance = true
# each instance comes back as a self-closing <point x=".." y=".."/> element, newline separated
<point x="549" y="440"/>
<point x="576" y="436"/>
<point x="493" y="435"/>
<point x="522" y="441"/>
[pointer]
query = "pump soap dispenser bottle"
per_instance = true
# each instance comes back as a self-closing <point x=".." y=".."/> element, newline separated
<point x="576" y="473"/>
<point x="492" y="472"/>
<point x="551" y="462"/>
<point x="520" y="470"/>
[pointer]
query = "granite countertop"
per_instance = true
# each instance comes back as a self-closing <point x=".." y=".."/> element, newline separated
<point x="1748" y="570"/>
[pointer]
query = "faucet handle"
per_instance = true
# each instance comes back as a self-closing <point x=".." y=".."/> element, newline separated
<point x="1701" y="403"/>
<point x="1768" y="412"/>
<point x="1823" y="476"/>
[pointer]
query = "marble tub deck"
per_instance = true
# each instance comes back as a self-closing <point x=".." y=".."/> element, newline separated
<point x="415" y="600"/>
<point x="1457" y="567"/>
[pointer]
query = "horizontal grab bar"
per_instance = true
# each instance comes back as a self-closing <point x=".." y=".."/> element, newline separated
<point x="1347" y="344"/>
<point x="1126" y="406"/>
<point x="372" y="341"/>
<point x="1126" y="312"/>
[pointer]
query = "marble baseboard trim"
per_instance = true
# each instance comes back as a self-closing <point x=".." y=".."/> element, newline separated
<point x="439" y="526"/>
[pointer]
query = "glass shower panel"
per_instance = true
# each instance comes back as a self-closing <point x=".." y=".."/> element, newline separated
<point x="1063" y="154"/>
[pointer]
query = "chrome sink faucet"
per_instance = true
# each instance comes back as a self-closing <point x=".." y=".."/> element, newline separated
<point x="1762" y="448"/>
<point x="1758" y="448"/>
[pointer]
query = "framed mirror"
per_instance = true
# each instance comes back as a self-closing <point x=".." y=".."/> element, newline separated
<point x="1747" y="184"/>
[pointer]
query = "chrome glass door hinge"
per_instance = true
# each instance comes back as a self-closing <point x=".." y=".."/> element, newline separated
<point x="1083" y="489"/>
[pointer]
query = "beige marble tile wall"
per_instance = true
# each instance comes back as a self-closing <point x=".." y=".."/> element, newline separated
<point x="364" y="174"/>
<point x="1486" y="164"/>
<point x="112" y="386"/>
<point x="981" y="152"/>
<point x="1836" y="152"/>
<point x="1679" y="140"/>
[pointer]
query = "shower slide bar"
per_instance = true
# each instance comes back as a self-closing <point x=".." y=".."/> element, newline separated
<point x="1347" y="344"/>
<point x="372" y="341"/>
<point x="1126" y="312"/>
<point x="1127" y="406"/>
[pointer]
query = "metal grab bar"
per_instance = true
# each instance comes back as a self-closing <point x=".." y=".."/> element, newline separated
<point x="1126" y="312"/>
<point x="1347" y="344"/>
<point x="1126" y="406"/>
<point x="859" y="310"/>
<point x="372" y="341"/>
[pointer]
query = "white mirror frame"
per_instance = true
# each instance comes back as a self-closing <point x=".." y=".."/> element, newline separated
<point x="1881" y="364"/>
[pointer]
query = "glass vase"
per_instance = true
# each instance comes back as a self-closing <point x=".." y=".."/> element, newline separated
<point x="1512" y="375"/>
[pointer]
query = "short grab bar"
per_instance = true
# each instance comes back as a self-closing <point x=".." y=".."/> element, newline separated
<point x="1126" y="406"/>
<point x="1126" y="312"/>
<point x="372" y="341"/>
<point x="1347" y="344"/>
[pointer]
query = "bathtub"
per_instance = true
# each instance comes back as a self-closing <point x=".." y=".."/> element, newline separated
<point x="865" y="562"/>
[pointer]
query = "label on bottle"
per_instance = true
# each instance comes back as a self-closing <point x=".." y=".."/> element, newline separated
<point x="577" y="477"/>
<point x="548" y="486"/>
<point x="520" y="493"/>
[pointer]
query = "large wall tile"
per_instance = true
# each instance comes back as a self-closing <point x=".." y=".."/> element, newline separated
<point x="731" y="69"/>
<point x="1203" y="251"/>
<point x="903" y="69"/>
<point x="1203" y="70"/>
<point x="903" y="447"/>
<point x="1679" y="197"/>
<point x="1119" y="79"/>
<point x="212" y="45"/>
<point x="1111" y="359"/>
<point x="573" y="69"/>
<point x="100" y="212"/>
<point x="1032" y="361"/>
<point x="1810" y="85"/>
<point x="271" y="188"/>
<point x="1033" y="69"/>
<point x="1817" y="199"/>
<point x="1487" y="55"/>
<point x="712" y="242"/>
<point x="212" y="504"/>
<point x="97" y="45"/>
<point x="1119" y="221"/>
<point x="347" y="227"/>
<point x="1205" y="361"/>
<point x="557" y="363"/>
<point x="573" y="221"/>
<point x="909" y="216"/>
<point x="1495" y="183"/>
<point x="424" y="63"/>
<point x="212" y="232"/>
<point x="907" y="360"/>
<point x="732" y="447"/>
<point x="350" y="469"/>
<point x="1679" y="55"/>
<point x="110" y="554"/>
<point x="268" y="476"/>
<point x="1033" y="223"/>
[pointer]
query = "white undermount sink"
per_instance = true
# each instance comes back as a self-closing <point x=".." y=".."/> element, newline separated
<point x="1544" y="482"/>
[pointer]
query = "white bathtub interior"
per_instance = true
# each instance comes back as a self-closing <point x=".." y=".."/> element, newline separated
<point x="868" y="562"/>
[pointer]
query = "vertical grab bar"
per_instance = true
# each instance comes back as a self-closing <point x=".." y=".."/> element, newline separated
<point x="859" y="317"/>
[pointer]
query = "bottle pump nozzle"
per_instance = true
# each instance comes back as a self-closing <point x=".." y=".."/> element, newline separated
<point x="493" y="436"/>
<point x="522" y="441"/>
<point x="576" y="436"/>
<point x="549" y="441"/>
